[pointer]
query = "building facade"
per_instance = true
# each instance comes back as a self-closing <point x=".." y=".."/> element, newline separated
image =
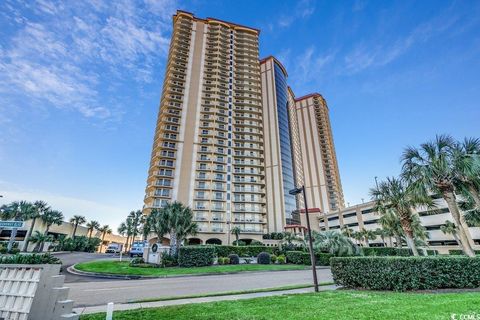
<point x="363" y="216"/>
<point x="320" y="167"/>
<point x="227" y="141"/>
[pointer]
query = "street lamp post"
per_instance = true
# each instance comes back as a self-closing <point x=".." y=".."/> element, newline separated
<point x="309" y="230"/>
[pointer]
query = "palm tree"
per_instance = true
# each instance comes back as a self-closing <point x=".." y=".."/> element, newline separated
<point x="450" y="228"/>
<point x="104" y="231"/>
<point x="92" y="225"/>
<point x="146" y="228"/>
<point x="357" y="235"/>
<point x="126" y="228"/>
<point x="393" y="195"/>
<point x="466" y="162"/>
<point x="39" y="207"/>
<point x="76" y="221"/>
<point x="40" y="238"/>
<point x="390" y="222"/>
<point x="368" y="235"/>
<point x="334" y="242"/>
<point x="175" y="219"/>
<point x="50" y="217"/>
<point x="431" y="169"/>
<point x="236" y="232"/>
<point x="346" y="231"/>
<point x="136" y="220"/>
<point x="17" y="211"/>
<point x="384" y="233"/>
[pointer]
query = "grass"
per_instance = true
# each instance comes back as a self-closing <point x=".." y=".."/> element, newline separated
<point x="324" y="305"/>
<point x="123" y="268"/>
<point x="229" y="293"/>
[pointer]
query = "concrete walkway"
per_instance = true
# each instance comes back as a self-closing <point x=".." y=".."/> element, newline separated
<point x="157" y="304"/>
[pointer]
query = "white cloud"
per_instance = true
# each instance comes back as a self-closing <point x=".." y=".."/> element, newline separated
<point x="302" y="10"/>
<point x="309" y="65"/>
<point x="62" y="55"/>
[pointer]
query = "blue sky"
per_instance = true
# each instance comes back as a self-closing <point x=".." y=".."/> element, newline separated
<point x="80" y="83"/>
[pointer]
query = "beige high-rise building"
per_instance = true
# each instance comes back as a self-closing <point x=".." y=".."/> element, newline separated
<point x="208" y="147"/>
<point x="231" y="139"/>
<point x="320" y="167"/>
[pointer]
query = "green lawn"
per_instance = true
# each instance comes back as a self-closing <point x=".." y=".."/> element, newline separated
<point x="325" y="305"/>
<point x="116" y="267"/>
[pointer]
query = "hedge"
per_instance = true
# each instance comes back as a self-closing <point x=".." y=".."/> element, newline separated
<point x="406" y="273"/>
<point x="300" y="257"/>
<point x="196" y="256"/>
<point x="242" y="251"/>
<point x="460" y="252"/>
<point x="45" y="258"/>
<point x="388" y="251"/>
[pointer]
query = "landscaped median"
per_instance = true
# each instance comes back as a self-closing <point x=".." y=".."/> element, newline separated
<point x="360" y="305"/>
<point x="115" y="267"/>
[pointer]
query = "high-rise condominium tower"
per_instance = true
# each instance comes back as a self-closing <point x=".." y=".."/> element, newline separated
<point x="208" y="150"/>
<point x="229" y="135"/>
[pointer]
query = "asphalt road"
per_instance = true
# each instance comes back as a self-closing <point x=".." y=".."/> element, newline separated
<point x="121" y="291"/>
<point x="71" y="258"/>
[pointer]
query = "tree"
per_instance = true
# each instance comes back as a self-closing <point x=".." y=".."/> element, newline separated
<point x="357" y="235"/>
<point x="346" y="231"/>
<point x="76" y="221"/>
<point x="17" y="211"/>
<point x="126" y="228"/>
<point x="450" y="228"/>
<point x="39" y="207"/>
<point x="431" y="168"/>
<point x="136" y="220"/>
<point x="50" y="217"/>
<point x="91" y="226"/>
<point x="334" y="242"/>
<point x="104" y="230"/>
<point x="40" y="238"/>
<point x="466" y="163"/>
<point x="384" y="233"/>
<point x="174" y="219"/>
<point x="392" y="194"/>
<point x="368" y="235"/>
<point x="390" y="222"/>
<point x="236" y="232"/>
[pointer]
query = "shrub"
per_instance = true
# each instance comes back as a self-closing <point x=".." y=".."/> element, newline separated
<point x="248" y="260"/>
<point x="14" y="251"/>
<point x="44" y="258"/>
<point x="234" y="258"/>
<point x="406" y="273"/>
<point x="3" y="250"/>
<point x="244" y="251"/>
<point x="273" y="258"/>
<point x="460" y="252"/>
<point x="256" y="243"/>
<point x="300" y="257"/>
<point x="263" y="258"/>
<point x="240" y="243"/>
<point x="281" y="259"/>
<point x="135" y="261"/>
<point x="196" y="256"/>
<point x="386" y="251"/>
<point x="168" y="260"/>
<point x="221" y="260"/>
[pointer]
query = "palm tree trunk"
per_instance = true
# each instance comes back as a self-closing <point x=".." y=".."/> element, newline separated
<point x="13" y="235"/>
<point x="398" y="239"/>
<point x="451" y="200"/>
<point x="367" y="243"/>
<point x="90" y="234"/>
<point x="42" y="244"/>
<point x="406" y="223"/>
<point x="390" y="240"/>
<point x="126" y="244"/>
<point x="101" y="245"/>
<point x="74" y="230"/>
<point x="29" y="234"/>
<point x="173" y="243"/>
<point x="475" y="195"/>
<point x="456" y="238"/>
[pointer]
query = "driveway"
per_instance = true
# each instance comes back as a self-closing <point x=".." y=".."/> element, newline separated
<point x="71" y="258"/>
<point x="121" y="291"/>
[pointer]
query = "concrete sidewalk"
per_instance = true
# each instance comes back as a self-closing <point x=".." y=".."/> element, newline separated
<point x="157" y="304"/>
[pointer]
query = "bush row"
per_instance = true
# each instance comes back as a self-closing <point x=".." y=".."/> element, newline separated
<point x="406" y="273"/>
<point x="242" y="251"/>
<point x="300" y="257"/>
<point x="388" y="251"/>
<point x="196" y="256"/>
<point x="44" y="258"/>
<point x="460" y="252"/>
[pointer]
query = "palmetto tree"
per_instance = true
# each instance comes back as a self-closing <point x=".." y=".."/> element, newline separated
<point x="174" y="219"/>
<point x="39" y="208"/>
<point x="126" y="229"/>
<point x="91" y="226"/>
<point x="236" y="232"/>
<point x="357" y="235"/>
<point x="368" y="235"/>
<point x="334" y="242"/>
<point x="136" y="219"/>
<point x="40" y="238"/>
<point x="347" y="232"/>
<point x="393" y="195"/>
<point x="50" y="217"/>
<point x="450" y="228"/>
<point x="433" y="168"/>
<point x="76" y="221"/>
<point x="17" y="211"/>
<point x="391" y="223"/>
<point x="466" y="162"/>
<point x="104" y="230"/>
<point x="384" y="233"/>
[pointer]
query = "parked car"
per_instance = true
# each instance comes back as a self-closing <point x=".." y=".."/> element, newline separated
<point x="114" y="248"/>
<point x="137" y="248"/>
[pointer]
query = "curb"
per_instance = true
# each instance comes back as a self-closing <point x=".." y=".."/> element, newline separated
<point x="77" y="272"/>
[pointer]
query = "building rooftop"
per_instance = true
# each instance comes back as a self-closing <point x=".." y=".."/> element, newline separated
<point x="208" y="19"/>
